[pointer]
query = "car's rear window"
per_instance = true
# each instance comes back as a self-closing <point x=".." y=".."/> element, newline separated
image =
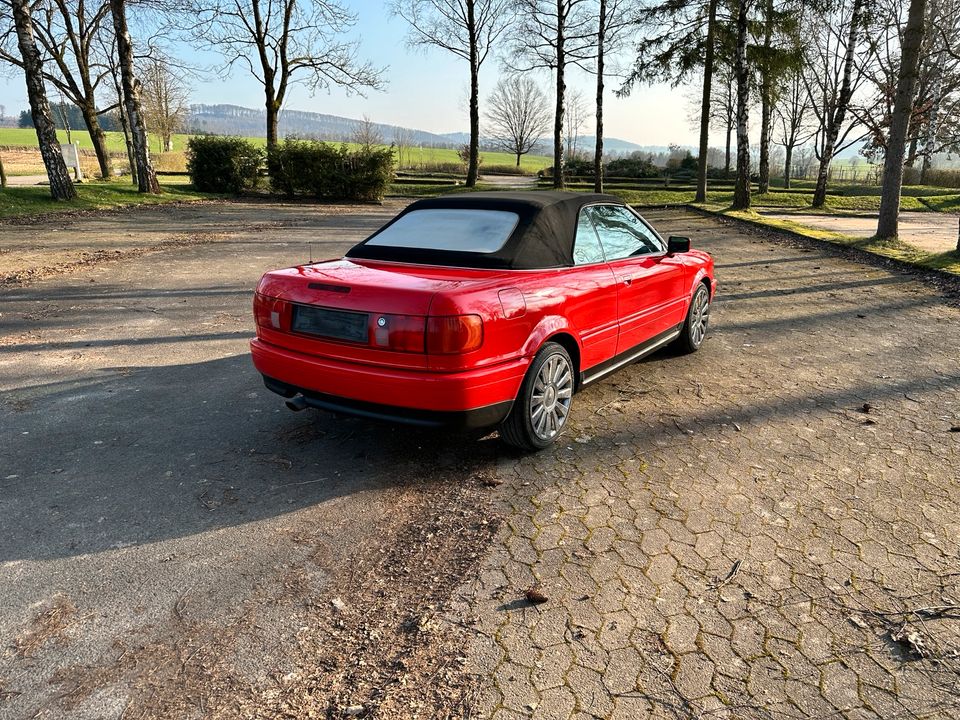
<point x="457" y="230"/>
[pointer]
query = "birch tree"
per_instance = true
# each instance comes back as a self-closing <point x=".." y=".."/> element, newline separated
<point x="61" y="186"/>
<point x="146" y="177"/>
<point x="741" y="190"/>
<point x="67" y="32"/>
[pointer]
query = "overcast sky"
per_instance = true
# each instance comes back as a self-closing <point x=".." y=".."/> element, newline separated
<point x="427" y="91"/>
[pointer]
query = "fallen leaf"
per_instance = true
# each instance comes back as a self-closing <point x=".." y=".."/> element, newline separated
<point x="535" y="595"/>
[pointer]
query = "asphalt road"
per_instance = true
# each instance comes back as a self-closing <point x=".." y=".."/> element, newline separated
<point x="175" y="543"/>
<point x="152" y="493"/>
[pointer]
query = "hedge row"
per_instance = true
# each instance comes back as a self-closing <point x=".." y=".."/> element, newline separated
<point x="296" y="167"/>
<point x="325" y="171"/>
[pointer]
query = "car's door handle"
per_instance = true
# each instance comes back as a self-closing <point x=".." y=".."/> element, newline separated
<point x="627" y="280"/>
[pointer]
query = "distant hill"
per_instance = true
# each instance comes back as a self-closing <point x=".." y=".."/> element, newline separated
<point x="250" y="122"/>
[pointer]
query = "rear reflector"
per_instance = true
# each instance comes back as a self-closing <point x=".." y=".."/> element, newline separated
<point x="454" y="334"/>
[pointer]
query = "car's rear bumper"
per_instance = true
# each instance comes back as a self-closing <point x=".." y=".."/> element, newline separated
<point x="468" y="399"/>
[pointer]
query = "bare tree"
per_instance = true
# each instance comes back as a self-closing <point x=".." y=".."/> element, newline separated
<point x="518" y="114"/>
<point x="402" y="140"/>
<point x="466" y="28"/>
<point x="146" y="177"/>
<point x="576" y="119"/>
<point x="792" y="121"/>
<point x="831" y="79"/>
<point x="614" y="19"/>
<point x="282" y="42"/>
<point x="61" y="187"/>
<point x="116" y="83"/>
<point x="67" y="33"/>
<point x="166" y="100"/>
<point x="724" y="109"/>
<point x="887" y="225"/>
<point x="554" y="34"/>
<point x="366" y="133"/>
<point x="778" y="55"/>
<point x="741" y="191"/>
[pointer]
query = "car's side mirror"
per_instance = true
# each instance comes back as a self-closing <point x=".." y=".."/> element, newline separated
<point x="677" y="244"/>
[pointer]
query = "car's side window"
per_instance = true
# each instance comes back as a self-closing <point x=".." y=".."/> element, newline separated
<point x="586" y="246"/>
<point x="622" y="233"/>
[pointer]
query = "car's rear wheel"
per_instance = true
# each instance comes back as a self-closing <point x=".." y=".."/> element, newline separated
<point x="542" y="406"/>
<point x="698" y="318"/>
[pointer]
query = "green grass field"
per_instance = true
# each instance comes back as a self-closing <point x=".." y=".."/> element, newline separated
<point x="35" y="200"/>
<point x="413" y="157"/>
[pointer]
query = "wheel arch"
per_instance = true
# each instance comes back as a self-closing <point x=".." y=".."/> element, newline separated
<point x="556" y="329"/>
<point x="569" y="343"/>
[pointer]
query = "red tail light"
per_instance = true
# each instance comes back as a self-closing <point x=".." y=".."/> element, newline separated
<point x="454" y="334"/>
<point x="271" y="313"/>
<point x="403" y="333"/>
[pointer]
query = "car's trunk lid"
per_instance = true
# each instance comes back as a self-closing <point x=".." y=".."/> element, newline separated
<point x="334" y="306"/>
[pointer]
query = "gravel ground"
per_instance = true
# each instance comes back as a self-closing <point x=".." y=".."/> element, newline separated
<point x="752" y="531"/>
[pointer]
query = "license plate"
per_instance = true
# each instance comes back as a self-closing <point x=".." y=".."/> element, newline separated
<point x="333" y="324"/>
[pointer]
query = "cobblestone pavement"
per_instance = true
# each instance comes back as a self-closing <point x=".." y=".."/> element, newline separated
<point x="768" y="528"/>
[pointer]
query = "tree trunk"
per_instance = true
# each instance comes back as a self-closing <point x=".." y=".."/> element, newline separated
<point x="473" y="166"/>
<point x="835" y="119"/>
<point x="3" y="176"/>
<point x="518" y="160"/>
<point x="146" y="177"/>
<point x="887" y="226"/>
<point x="701" y="195"/>
<point x="273" y="123"/>
<point x="726" y="165"/>
<point x="788" y="160"/>
<point x="97" y="137"/>
<point x="765" y="103"/>
<point x="598" y="153"/>
<point x="61" y="187"/>
<point x="741" y="193"/>
<point x="558" y="182"/>
<point x="933" y="126"/>
<point x="128" y="141"/>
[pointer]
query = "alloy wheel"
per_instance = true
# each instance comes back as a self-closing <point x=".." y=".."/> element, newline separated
<point x="550" y="399"/>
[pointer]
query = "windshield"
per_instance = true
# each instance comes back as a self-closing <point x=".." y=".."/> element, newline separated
<point x="457" y="230"/>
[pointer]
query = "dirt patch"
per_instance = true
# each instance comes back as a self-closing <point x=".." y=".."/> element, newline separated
<point x="18" y="278"/>
<point x="50" y="624"/>
<point x="379" y="640"/>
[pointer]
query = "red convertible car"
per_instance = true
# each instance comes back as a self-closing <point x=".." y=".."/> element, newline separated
<point x="481" y="309"/>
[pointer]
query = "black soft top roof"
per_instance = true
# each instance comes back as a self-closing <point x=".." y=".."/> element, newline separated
<point x="543" y="238"/>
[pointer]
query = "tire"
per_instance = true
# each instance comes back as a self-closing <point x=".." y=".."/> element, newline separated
<point x="698" y="319"/>
<point x="542" y="406"/>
